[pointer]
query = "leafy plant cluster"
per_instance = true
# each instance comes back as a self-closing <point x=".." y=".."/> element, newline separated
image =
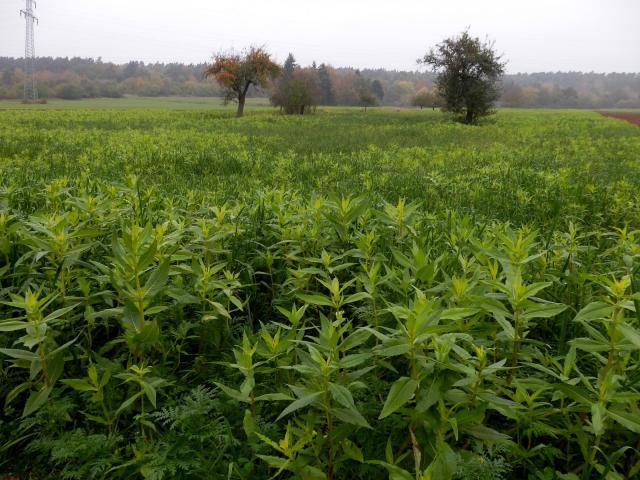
<point x="153" y="336"/>
<point x="529" y="166"/>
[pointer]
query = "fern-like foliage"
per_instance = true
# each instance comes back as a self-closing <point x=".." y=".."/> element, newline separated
<point x="483" y="466"/>
<point x="194" y="439"/>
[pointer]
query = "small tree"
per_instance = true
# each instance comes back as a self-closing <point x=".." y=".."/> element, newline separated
<point x="366" y="94"/>
<point x="425" y="98"/>
<point x="367" y="99"/>
<point x="326" y="86"/>
<point x="297" y="89"/>
<point x="235" y="73"/>
<point x="288" y="68"/>
<point x="469" y="72"/>
<point x="377" y="89"/>
<point x="512" y="96"/>
<point x="298" y="94"/>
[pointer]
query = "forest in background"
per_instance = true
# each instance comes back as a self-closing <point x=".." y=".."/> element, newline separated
<point x="76" y="78"/>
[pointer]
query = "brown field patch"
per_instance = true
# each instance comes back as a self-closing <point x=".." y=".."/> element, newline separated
<point x="631" y="117"/>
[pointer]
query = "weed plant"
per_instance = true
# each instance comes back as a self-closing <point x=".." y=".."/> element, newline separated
<point x="189" y="296"/>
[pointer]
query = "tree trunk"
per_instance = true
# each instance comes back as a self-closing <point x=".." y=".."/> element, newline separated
<point x="241" y="100"/>
<point x="469" y="118"/>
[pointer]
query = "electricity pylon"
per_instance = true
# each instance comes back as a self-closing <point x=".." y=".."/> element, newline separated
<point x="30" y="87"/>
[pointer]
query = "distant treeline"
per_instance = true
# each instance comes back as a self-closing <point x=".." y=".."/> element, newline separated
<point x="75" y="78"/>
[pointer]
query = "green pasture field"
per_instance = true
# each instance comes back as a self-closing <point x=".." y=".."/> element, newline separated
<point x="168" y="103"/>
<point x="345" y="295"/>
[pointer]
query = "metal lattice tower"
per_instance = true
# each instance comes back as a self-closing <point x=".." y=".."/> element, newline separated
<point x="30" y="87"/>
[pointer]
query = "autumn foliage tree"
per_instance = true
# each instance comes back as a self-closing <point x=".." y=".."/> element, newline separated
<point x="236" y="72"/>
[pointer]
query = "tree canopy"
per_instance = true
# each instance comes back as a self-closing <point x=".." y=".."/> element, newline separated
<point x="468" y="74"/>
<point x="297" y="89"/>
<point x="426" y="98"/>
<point x="236" y="72"/>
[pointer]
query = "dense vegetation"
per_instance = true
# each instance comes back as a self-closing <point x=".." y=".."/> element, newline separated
<point x="75" y="78"/>
<point x="186" y="295"/>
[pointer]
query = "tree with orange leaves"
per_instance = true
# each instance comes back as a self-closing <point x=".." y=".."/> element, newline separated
<point x="236" y="72"/>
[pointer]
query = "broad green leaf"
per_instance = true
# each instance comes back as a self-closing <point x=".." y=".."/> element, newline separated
<point x="248" y="423"/>
<point x="352" y="451"/>
<point x="355" y="339"/>
<point x="273" y="397"/>
<point x="247" y="385"/>
<point x="444" y="465"/>
<point x="315" y="299"/>
<point x="543" y="310"/>
<point x="354" y="360"/>
<point x="427" y="397"/>
<point x="36" y="400"/>
<point x="94" y="418"/>
<point x="275" y="462"/>
<point x="79" y="384"/>
<point x="630" y="334"/>
<point x="61" y="348"/>
<point x="92" y="371"/>
<point x="150" y="392"/>
<point x="569" y="361"/>
<point x="300" y="403"/>
<point x="155" y="310"/>
<point x="59" y="313"/>
<point x="356" y="297"/>
<point x="495" y="401"/>
<point x="309" y="472"/>
<point x="13" y="325"/>
<point x="589" y="345"/>
<point x="598" y="413"/>
<point x="575" y="393"/>
<point x="506" y="326"/>
<point x="594" y="311"/>
<point x="127" y="403"/>
<point x="131" y="317"/>
<point x="235" y="394"/>
<point x="483" y="432"/>
<point x="352" y="416"/>
<point x="342" y="395"/>
<point x="395" y="472"/>
<point x="236" y="302"/>
<point x="628" y="420"/>
<point x="157" y="280"/>
<point x="401" y="392"/>
<point x="219" y="308"/>
<point x="392" y="348"/>
<point x="19" y="354"/>
<point x="388" y="452"/>
<point x="15" y="392"/>
<point x="459" y="313"/>
<point x="531" y="290"/>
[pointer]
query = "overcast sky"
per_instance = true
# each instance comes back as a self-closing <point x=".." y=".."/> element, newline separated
<point x="534" y="35"/>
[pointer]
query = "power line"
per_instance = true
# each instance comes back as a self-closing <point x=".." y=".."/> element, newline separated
<point x="30" y="87"/>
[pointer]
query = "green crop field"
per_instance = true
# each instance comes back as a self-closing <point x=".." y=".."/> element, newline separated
<point x="344" y="295"/>
<point x="166" y="103"/>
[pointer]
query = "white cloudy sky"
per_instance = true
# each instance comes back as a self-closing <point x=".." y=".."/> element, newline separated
<point x="534" y="35"/>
